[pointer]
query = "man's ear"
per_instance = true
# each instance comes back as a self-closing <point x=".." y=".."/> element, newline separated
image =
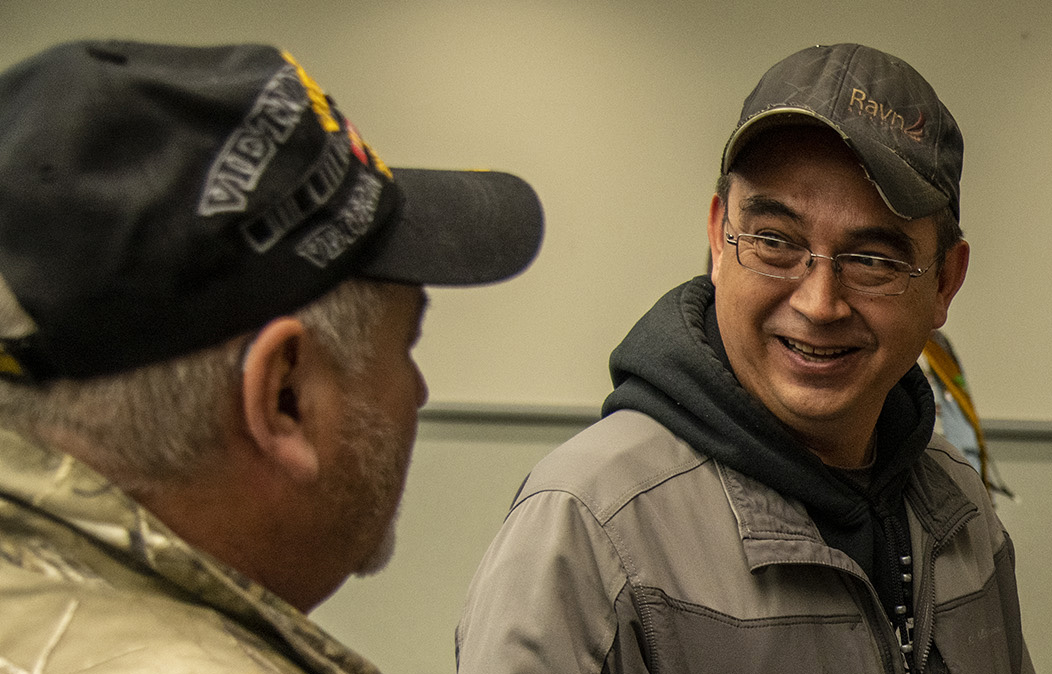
<point x="716" y="238"/>
<point x="272" y="386"/>
<point x="951" y="278"/>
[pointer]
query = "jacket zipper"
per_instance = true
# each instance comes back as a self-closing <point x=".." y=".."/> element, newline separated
<point x="929" y="606"/>
<point x="900" y="558"/>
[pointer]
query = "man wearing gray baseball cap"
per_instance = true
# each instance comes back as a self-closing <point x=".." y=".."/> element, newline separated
<point x="764" y="492"/>
<point x="210" y="289"/>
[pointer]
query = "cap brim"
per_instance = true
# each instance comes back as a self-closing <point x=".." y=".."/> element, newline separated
<point x="905" y="192"/>
<point x="456" y="228"/>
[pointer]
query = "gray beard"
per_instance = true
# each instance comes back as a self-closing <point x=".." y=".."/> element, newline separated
<point x="378" y="560"/>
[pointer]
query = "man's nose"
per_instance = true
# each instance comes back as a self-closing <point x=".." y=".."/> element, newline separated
<point x="819" y="295"/>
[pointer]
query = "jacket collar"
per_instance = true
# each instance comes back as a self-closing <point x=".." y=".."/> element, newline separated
<point x="776" y="530"/>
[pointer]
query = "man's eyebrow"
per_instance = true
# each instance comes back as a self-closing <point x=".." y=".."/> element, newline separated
<point x="889" y="236"/>
<point x="762" y="205"/>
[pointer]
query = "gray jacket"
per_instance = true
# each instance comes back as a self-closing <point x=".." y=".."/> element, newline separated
<point x="627" y="551"/>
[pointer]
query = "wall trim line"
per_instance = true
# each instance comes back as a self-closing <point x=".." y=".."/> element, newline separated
<point x="581" y="415"/>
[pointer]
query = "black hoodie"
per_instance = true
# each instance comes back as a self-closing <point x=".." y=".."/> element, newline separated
<point x="673" y="367"/>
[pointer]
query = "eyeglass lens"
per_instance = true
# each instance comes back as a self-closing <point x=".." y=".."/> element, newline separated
<point x="783" y="259"/>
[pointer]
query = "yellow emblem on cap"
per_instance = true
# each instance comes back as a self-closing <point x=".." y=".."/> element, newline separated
<point x="321" y="107"/>
<point x="9" y="365"/>
<point x="319" y="102"/>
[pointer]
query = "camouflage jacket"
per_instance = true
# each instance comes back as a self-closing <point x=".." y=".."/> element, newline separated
<point x="91" y="581"/>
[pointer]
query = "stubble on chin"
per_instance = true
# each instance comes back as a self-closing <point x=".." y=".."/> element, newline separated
<point x="383" y="462"/>
<point x="381" y="555"/>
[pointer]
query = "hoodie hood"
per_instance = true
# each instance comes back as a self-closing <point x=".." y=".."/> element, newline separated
<point x="673" y="367"/>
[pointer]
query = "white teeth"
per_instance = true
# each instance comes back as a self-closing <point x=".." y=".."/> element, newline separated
<point x="814" y="351"/>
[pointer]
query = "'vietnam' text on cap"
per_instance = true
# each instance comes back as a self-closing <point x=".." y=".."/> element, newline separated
<point x="157" y="199"/>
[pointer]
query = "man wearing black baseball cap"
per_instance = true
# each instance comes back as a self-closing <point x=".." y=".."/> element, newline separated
<point x="764" y="492"/>
<point x="210" y="288"/>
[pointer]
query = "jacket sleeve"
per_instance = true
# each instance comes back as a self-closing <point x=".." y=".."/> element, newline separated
<point x="543" y="598"/>
<point x="980" y="622"/>
<point x="1020" y="654"/>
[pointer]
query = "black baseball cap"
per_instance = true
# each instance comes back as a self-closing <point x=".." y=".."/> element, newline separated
<point x="888" y="114"/>
<point x="157" y="199"/>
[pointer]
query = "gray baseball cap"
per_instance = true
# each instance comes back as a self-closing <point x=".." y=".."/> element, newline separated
<point x="884" y="110"/>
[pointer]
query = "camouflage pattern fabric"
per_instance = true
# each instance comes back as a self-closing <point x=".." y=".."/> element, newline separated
<point x="90" y="581"/>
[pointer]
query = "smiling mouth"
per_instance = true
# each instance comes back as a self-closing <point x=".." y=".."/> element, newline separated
<point x="815" y="353"/>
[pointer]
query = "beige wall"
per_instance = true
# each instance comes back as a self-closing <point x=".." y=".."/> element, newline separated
<point x="1027" y="468"/>
<point x="617" y="111"/>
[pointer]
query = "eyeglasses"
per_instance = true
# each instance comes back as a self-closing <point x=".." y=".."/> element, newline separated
<point x="778" y="258"/>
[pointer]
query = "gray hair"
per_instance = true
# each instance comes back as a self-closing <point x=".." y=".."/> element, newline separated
<point x="157" y="423"/>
